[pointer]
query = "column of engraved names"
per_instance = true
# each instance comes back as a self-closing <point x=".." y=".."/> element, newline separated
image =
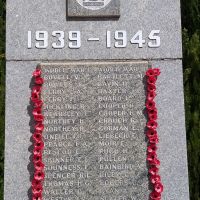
<point x="65" y="167"/>
<point x="93" y="121"/>
<point x="120" y="114"/>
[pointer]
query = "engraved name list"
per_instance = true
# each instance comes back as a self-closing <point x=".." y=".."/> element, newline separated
<point x="94" y="131"/>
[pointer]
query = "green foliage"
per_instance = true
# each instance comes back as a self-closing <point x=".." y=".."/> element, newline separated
<point x="191" y="15"/>
<point x="191" y="63"/>
<point x="192" y="100"/>
<point x="2" y="92"/>
<point x="2" y="28"/>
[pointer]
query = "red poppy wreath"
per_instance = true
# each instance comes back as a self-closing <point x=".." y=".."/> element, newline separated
<point x="37" y="182"/>
<point x="152" y="135"/>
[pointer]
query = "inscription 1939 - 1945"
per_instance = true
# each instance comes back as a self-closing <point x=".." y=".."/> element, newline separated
<point x="94" y="131"/>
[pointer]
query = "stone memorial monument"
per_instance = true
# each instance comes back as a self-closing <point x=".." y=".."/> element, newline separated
<point x="78" y="129"/>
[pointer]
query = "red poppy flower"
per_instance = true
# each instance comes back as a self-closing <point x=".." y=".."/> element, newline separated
<point x="37" y="150"/>
<point x="39" y="144"/>
<point x="37" y="111"/>
<point x="37" y="136"/>
<point x="156" y="71"/>
<point x="37" y="197"/>
<point x="39" y="166"/>
<point x="35" y="183"/>
<point x="155" y="179"/>
<point x="38" y="103"/>
<point x="37" y="73"/>
<point x="39" y="175"/>
<point x="152" y="124"/>
<point x="152" y="133"/>
<point x="39" y="127"/>
<point x="150" y="72"/>
<point x="155" y="196"/>
<point x="152" y="148"/>
<point x="151" y="95"/>
<point x="150" y="105"/>
<point x="153" y="171"/>
<point x="151" y="156"/>
<point x="151" y="80"/>
<point x="37" y="158"/>
<point x="151" y="88"/>
<point x="35" y="97"/>
<point x="37" y="189"/>
<point x="153" y="117"/>
<point x="37" y="89"/>
<point x="158" y="187"/>
<point x="152" y="112"/>
<point x="39" y="80"/>
<point x="39" y="118"/>
<point x="153" y="140"/>
<point x="154" y="162"/>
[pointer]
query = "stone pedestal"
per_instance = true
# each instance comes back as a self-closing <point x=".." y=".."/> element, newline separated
<point x="87" y="50"/>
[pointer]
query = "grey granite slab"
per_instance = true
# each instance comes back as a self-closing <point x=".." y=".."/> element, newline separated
<point x="95" y="146"/>
<point x="172" y="146"/>
<point x="93" y="8"/>
<point x="171" y="119"/>
<point x="50" y="15"/>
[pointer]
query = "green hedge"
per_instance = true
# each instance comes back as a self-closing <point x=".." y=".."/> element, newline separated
<point x="191" y="67"/>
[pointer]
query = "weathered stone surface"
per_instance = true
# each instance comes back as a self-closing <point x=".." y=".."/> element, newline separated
<point x="82" y="8"/>
<point x="94" y="134"/>
<point x="135" y="15"/>
<point x="171" y="130"/>
<point x="172" y="149"/>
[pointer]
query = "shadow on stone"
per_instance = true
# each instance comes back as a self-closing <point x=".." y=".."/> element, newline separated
<point x="30" y="166"/>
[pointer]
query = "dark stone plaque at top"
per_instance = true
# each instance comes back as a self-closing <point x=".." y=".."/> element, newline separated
<point x="94" y="137"/>
<point x="93" y="8"/>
